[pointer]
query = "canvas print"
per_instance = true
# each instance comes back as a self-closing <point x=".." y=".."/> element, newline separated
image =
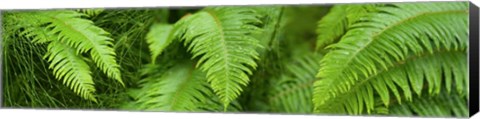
<point x="378" y="59"/>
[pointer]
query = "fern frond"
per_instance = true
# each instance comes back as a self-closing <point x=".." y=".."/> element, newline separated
<point x="444" y="105"/>
<point x="292" y="93"/>
<point x="181" y="88"/>
<point x="402" y="35"/>
<point x="158" y="38"/>
<point x="72" y="32"/>
<point x="83" y="35"/>
<point x="271" y="18"/>
<point x="220" y="36"/>
<point x="334" y="25"/>
<point x="70" y="67"/>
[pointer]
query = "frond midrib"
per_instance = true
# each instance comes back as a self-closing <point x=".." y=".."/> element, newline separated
<point x="225" y="51"/>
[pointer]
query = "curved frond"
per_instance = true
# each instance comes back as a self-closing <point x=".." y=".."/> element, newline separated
<point x="334" y="25"/>
<point x="444" y="105"/>
<point x="84" y="36"/>
<point x="220" y="36"/>
<point x="67" y="29"/>
<point x="70" y="67"/>
<point x="181" y="88"/>
<point x="292" y="93"/>
<point x="158" y="38"/>
<point x="397" y="47"/>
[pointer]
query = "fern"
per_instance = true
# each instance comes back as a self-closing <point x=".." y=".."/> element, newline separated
<point x="70" y="67"/>
<point x="396" y="43"/>
<point x="292" y="93"/>
<point x="444" y="105"/>
<point x="220" y="35"/>
<point x="158" y="38"/>
<point x="72" y="32"/>
<point x="387" y="59"/>
<point x="334" y="25"/>
<point x="84" y="36"/>
<point x="181" y="88"/>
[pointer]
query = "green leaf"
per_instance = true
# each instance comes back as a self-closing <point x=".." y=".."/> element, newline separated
<point x="180" y="88"/>
<point x="83" y="35"/>
<point x="292" y="92"/>
<point x="221" y="37"/>
<point x="68" y="29"/>
<point x="71" y="68"/>
<point x="158" y="38"/>
<point x="396" y="42"/>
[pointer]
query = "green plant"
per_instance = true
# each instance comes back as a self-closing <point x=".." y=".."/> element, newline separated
<point x="390" y="59"/>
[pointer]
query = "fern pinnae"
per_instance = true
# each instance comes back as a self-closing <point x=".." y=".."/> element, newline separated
<point x="66" y="30"/>
<point x="85" y="37"/>
<point x="71" y="68"/>
<point x="180" y="88"/>
<point x="335" y="24"/>
<point x="158" y="38"/>
<point x="360" y="45"/>
<point x="292" y="93"/>
<point x="220" y="36"/>
<point x="444" y="105"/>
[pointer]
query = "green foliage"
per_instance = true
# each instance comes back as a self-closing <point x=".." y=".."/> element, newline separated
<point x="397" y="47"/>
<point x="69" y="35"/>
<point x="406" y="59"/>
<point x="90" y="12"/>
<point x="334" y="25"/>
<point x="181" y="88"/>
<point x="159" y="37"/>
<point x="220" y="36"/>
<point x="292" y="92"/>
<point x="70" y="67"/>
<point x="443" y="105"/>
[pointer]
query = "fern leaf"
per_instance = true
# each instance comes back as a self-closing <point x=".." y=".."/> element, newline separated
<point x="67" y="28"/>
<point x="158" y="38"/>
<point x="220" y="35"/>
<point x="385" y="40"/>
<point x="293" y="92"/>
<point x="71" y="68"/>
<point x="181" y="88"/>
<point x="334" y="25"/>
<point x="83" y="35"/>
<point x="444" y="105"/>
